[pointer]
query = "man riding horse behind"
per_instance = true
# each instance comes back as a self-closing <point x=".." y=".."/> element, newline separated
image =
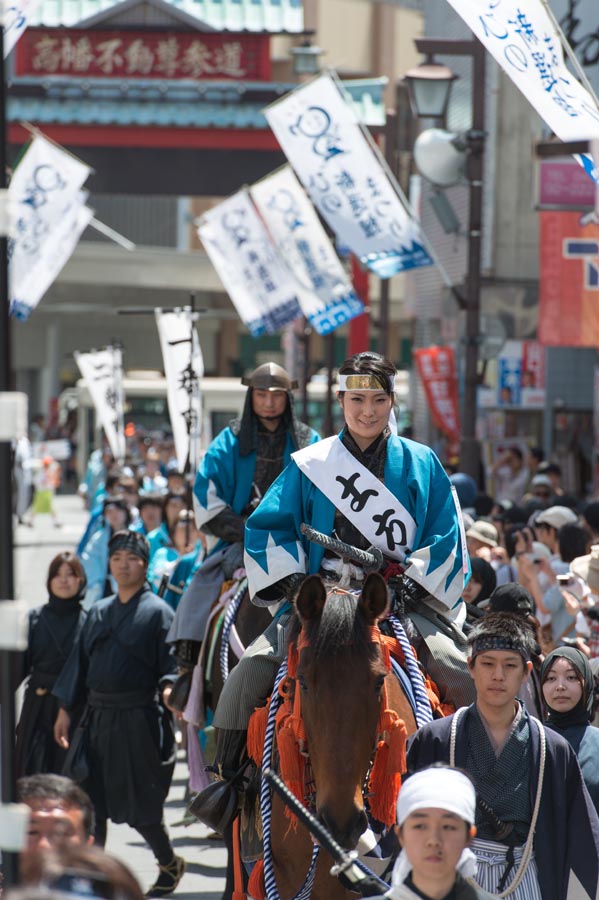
<point x="369" y="488"/>
<point x="238" y="468"/>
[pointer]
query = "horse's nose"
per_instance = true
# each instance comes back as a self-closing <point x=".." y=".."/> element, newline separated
<point x="347" y="834"/>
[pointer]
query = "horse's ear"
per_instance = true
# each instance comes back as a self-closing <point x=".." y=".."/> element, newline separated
<point x="374" y="598"/>
<point x="311" y="598"/>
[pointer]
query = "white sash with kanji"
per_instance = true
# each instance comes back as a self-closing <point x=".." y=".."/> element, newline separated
<point x="359" y="496"/>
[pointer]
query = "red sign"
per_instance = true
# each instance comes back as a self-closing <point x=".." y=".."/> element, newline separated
<point x="569" y="282"/>
<point x="142" y="54"/>
<point x="565" y="183"/>
<point x="436" y="367"/>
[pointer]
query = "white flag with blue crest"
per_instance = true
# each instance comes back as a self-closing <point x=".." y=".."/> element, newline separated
<point x="322" y="138"/>
<point x="326" y="294"/>
<point x="527" y="46"/>
<point x="245" y="258"/>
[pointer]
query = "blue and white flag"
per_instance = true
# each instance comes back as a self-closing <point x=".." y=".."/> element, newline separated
<point x="245" y="258"/>
<point x="102" y="371"/>
<point x="16" y="18"/>
<point x="321" y="136"/>
<point x="50" y="217"/>
<point x="325" y="292"/>
<point x="183" y="368"/>
<point x="527" y="46"/>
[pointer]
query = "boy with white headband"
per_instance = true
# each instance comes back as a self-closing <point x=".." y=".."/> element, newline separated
<point x="435" y="816"/>
<point x="537" y="829"/>
<point x="367" y="487"/>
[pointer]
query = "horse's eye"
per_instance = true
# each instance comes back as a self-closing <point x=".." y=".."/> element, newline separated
<point x="378" y="685"/>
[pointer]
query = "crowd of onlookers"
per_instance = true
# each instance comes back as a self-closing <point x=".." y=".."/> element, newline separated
<point x="532" y="533"/>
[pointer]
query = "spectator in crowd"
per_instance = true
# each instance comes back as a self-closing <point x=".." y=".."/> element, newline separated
<point x="481" y="538"/>
<point x="482" y="583"/>
<point x="553" y="471"/>
<point x="152" y="481"/>
<point x="569" y="693"/>
<point x="46" y="479"/>
<point x="587" y="568"/>
<point x="541" y="489"/>
<point x="510" y="475"/>
<point x="590" y="517"/>
<point x="78" y="871"/>
<point x="61" y="813"/>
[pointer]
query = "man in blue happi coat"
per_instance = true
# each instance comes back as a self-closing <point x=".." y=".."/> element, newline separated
<point x="238" y="468"/>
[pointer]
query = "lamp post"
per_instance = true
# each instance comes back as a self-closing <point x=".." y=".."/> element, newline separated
<point x="429" y="86"/>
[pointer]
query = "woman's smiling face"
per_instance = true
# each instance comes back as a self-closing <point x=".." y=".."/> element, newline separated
<point x="366" y="414"/>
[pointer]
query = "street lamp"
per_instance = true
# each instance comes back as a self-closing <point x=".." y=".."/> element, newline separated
<point x="429" y="88"/>
<point x="429" y="83"/>
<point x="306" y="58"/>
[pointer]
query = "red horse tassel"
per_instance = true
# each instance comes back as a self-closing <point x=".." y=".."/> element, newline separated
<point x="389" y="765"/>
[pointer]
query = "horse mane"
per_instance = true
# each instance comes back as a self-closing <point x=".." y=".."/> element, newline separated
<point x="341" y="629"/>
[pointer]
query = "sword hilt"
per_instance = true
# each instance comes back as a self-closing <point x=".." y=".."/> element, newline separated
<point x="371" y="560"/>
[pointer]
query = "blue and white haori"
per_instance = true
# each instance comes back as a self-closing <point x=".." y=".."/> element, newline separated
<point x="226" y="478"/>
<point x="420" y="525"/>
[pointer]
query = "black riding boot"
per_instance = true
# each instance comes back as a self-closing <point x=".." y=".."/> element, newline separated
<point x="218" y="804"/>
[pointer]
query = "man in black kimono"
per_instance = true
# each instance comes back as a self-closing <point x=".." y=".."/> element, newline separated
<point x="118" y="667"/>
<point x="535" y="820"/>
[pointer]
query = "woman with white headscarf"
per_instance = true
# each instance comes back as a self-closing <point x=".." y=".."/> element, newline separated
<point x="435" y="816"/>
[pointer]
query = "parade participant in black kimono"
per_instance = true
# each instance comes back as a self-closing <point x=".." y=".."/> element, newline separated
<point x="121" y="668"/>
<point x="53" y="629"/>
<point x="537" y="829"/>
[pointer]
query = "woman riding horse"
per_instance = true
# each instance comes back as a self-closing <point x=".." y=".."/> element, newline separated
<point x="369" y="487"/>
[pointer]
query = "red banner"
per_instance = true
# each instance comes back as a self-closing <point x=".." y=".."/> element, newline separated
<point x="569" y="281"/>
<point x="436" y="367"/>
<point x="142" y="54"/>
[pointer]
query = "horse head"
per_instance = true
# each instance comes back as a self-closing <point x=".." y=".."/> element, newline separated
<point x="340" y="675"/>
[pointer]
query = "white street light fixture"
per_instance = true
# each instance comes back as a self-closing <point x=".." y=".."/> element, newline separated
<point x="440" y="157"/>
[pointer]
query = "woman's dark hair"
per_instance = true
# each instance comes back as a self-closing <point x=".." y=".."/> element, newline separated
<point x="510" y="536"/>
<point x="572" y="540"/>
<point x="73" y="563"/>
<point x="369" y="363"/>
<point x="484" y="573"/>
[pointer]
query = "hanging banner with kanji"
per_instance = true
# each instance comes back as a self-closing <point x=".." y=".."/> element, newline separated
<point x="523" y="40"/>
<point x="51" y="215"/>
<point x="246" y="260"/>
<point x="183" y="368"/>
<point x="325" y="292"/>
<point x="569" y="280"/>
<point x="322" y="138"/>
<point x="102" y="371"/>
<point x="436" y="367"/>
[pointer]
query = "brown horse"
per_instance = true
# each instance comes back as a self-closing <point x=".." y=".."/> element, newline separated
<point x="340" y="676"/>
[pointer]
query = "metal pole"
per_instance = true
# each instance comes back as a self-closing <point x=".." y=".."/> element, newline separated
<point x="329" y="343"/>
<point x="7" y="685"/>
<point x="470" y="448"/>
<point x="390" y="154"/>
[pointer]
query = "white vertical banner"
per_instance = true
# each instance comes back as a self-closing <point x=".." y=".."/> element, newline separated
<point x="16" y="18"/>
<point x="50" y="217"/>
<point x="183" y="368"/>
<point x="245" y="258"/>
<point x="325" y="292"/>
<point x="322" y="138"/>
<point x="527" y="46"/>
<point x="102" y="371"/>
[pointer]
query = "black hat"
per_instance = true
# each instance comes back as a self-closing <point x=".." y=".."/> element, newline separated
<point x="511" y="597"/>
<point x="132" y="541"/>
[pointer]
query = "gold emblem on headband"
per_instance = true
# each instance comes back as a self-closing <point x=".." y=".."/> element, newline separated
<point x="362" y="383"/>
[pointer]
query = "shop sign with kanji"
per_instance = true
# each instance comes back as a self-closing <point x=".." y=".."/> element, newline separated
<point x="142" y="54"/>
